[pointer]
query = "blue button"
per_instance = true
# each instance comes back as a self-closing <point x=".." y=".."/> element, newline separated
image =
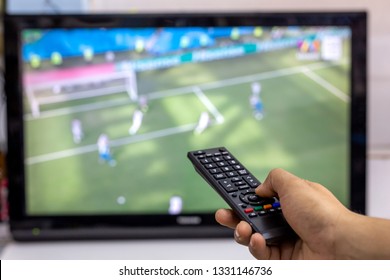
<point x="276" y="205"/>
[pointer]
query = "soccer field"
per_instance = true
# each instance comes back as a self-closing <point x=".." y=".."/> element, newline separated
<point x="304" y="130"/>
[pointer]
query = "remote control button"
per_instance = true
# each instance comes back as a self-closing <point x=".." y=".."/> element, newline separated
<point x="198" y="153"/>
<point x="248" y="210"/>
<point x="258" y="208"/>
<point x="267" y="206"/>
<point x="231" y="174"/>
<point x="230" y="189"/>
<point x="219" y="176"/>
<point x="209" y="155"/>
<point x="252" y="215"/>
<point x="247" y="192"/>
<point x="242" y="205"/>
<point x="216" y="159"/>
<point x="243" y="172"/>
<point x="225" y="182"/>
<point x="215" y="170"/>
<point x="254" y="198"/>
<point x="244" y="199"/>
<point x="272" y="211"/>
<point x="210" y="165"/>
<point x="250" y="197"/>
<point x="239" y="183"/>
<point x="235" y="179"/>
<point x="217" y="154"/>
<point x="222" y="163"/>
<point x="227" y="168"/>
<point x="276" y="205"/>
<point x="251" y="181"/>
<point x="244" y="187"/>
<point x="204" y="161"/>
<point x="238" y="167"/>
<point x="234" y="194"/>
<point x="262" y="213"/>
<point x="202" y="156"/>
<point x="228" y="186"/>
<point x="228" y="157"/>
<point x="232" y="162"/>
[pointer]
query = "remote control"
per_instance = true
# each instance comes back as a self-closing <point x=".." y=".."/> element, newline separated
<point x="237" y="186"/>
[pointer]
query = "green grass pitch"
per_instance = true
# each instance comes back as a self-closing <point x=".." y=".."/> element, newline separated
<point x="304" y="130"/>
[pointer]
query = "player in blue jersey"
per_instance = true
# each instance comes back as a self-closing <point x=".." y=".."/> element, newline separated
<point x="256" y="102"/>
<point x="104" y="150"/>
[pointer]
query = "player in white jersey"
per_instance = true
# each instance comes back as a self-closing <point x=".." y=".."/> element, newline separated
<point x="137" y="121"/>
<point x="256" y="88"/>
<point x="143" y="103"/>
<point x="175" y="205"/>
<point x="104" y="150"/>
<point x="203" y="123"/>
<point x="77" y="131"/>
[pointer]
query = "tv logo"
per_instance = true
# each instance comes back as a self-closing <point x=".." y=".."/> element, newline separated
<point x="189" y="220"/>
<point x="309" y="49"/>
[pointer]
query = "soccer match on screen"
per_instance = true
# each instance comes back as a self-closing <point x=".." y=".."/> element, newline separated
<point x="111" y="113"/>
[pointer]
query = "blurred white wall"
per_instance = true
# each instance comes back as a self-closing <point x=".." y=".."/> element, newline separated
<point x="46" y="6"/>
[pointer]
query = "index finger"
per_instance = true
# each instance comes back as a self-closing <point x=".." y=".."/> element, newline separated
<point x="278" y="183"/>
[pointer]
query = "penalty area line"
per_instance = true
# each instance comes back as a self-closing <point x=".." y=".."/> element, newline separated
<point x="209" y="105"/>
<point x="325" y="84"/>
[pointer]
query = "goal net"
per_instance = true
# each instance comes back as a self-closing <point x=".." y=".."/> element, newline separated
<point x="77" y="88"/>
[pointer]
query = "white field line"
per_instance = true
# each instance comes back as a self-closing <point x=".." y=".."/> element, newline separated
<point x="187" y="89"/>
<point x="325" y="84"/>
<point x="209" y="105"/>
<point x="113" y="143"/>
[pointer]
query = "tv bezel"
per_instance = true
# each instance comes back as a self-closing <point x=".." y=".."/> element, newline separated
<point x="25" y="227"/>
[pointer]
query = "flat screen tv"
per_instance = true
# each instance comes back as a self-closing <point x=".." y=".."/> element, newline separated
<point x="102" y="110"/>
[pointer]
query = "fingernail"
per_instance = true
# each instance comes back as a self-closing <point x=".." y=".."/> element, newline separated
<point x="236" y="235"/>
<point x="251" y="243"/>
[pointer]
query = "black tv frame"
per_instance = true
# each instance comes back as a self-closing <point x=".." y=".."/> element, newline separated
<point x="25" y="227"/>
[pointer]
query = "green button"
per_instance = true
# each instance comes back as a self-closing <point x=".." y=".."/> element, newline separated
<point x="258" y="208"/>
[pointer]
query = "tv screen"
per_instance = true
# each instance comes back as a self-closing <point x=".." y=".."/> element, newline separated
<point x="103" y="109"/>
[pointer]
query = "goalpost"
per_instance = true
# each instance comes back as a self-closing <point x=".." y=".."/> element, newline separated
<point x="81" y="88"/>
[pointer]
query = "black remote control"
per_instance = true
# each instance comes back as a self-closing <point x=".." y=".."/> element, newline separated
<point x="237" y="186"/>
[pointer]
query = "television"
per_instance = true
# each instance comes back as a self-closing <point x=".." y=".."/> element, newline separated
<point x="102" y="110"/>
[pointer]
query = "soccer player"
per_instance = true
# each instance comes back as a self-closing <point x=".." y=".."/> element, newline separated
<point x="175" y="205"/>
<point x="104" y="150"/>
<point x="256" y="88"/>
<point x="143" y="103"/>
<point x="137" y="121"/>
<point x="77" y="131"/>
<point x="203" y="123"/>
<point x="255" y="101"/>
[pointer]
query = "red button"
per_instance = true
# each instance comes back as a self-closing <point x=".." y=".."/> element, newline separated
<point x="248" y="210"/>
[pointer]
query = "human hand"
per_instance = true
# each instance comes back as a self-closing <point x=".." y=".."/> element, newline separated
<point x="312" y="211"/>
